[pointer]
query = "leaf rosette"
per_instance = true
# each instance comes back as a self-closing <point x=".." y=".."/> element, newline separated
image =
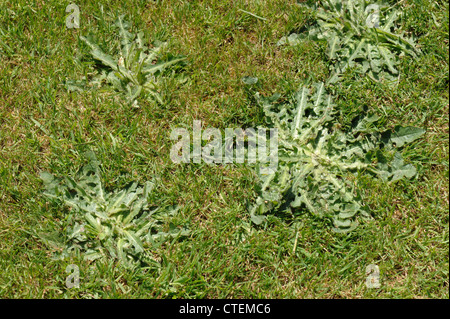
<point x="318" y="163"/>
<point x="118" y="224"/>
<point x="360" y="35"/>
<point x="135" y="71"/>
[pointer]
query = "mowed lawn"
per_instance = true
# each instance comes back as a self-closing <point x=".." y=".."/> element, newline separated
<point x="44" y="127"/>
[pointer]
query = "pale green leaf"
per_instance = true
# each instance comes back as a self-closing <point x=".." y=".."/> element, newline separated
<point x="403" y="135"/>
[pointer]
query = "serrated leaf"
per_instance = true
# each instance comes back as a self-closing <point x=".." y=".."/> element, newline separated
<point x="257" y="219"/>
<point x="162" y="65"/>
<point x="93" y="222"/>
<point x="135" y="241"/>
<point x="250" y="80"/>
<point x="400" y="170"/>
<point x="79" y="86"/>
<point x="126" y="36"/>
<point x="92" y="255"/>
<point x="403" y="135"/>
<point x="333" y="47"/>
<point x="50" y="182"/>
<point x="98" y="54"/>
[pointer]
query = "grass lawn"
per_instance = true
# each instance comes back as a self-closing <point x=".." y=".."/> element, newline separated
<point x="45" y="127"/>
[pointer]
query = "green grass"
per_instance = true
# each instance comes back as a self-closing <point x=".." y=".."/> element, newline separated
<point x="45" y="128"/>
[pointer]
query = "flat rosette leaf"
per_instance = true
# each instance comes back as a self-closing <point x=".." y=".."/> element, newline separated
<point x="119" y="224"/>
<point x="318" y="163"/>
